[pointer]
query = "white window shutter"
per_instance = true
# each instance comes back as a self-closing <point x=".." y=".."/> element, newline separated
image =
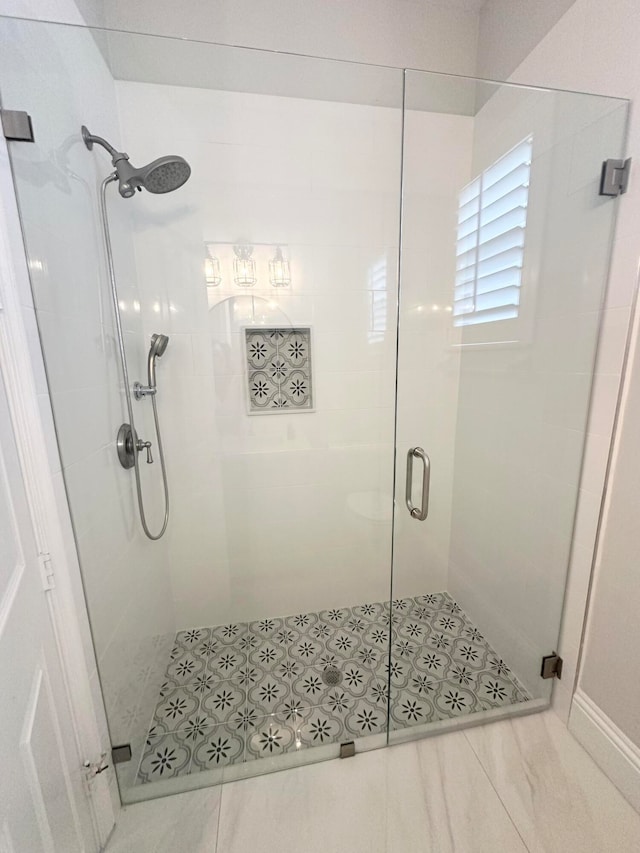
<point x="492" y="217"/>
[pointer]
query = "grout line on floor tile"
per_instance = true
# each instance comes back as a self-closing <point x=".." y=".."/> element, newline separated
<point x="490" y="780"/>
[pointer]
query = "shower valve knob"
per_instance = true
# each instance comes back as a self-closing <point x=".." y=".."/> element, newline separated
<point x="145" y="445"/>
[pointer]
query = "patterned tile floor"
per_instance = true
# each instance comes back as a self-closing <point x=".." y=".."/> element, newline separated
<point x="237" y="693"/>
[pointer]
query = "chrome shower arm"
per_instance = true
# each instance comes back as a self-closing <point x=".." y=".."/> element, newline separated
<point x="90" y="139"/>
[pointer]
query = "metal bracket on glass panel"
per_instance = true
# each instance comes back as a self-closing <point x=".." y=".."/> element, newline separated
<point x="421" y="512"/>
<point x="347" y="749"/>
<point x="16" y="125"/>
<point x="615" y="177"/>
<point x="120" y="754"/>
<point x="551" y="666"/>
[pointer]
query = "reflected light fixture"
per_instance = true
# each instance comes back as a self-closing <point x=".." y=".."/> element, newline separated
<point x="212" y="274"/>
<point x="244" y="266"/>
<point x="279" y="271"/>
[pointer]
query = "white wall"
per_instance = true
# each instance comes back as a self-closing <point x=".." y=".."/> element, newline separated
<point x="438" y="36"/>
<point x="510" y="29"/>
<point x="57" y="180"/>
<point x="594" y="48"/>
<point x="614" y="628"/>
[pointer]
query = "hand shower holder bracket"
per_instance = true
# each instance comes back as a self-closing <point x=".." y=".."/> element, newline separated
<point x="141" y="391"/>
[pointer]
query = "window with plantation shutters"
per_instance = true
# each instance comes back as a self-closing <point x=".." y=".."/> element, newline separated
<point x="492" y="217"/>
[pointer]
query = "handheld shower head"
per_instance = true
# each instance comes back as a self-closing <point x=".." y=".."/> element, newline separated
<point x="158" y="346"/>
<point x="161" y="176"/>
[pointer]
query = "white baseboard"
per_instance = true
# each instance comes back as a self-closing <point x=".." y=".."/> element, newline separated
<point x="616" y="755"/>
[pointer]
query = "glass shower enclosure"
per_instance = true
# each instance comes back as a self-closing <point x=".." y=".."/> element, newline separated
<point x="382" y="292"/>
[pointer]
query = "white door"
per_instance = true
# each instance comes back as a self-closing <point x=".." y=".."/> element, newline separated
<point x="44" y="803"/>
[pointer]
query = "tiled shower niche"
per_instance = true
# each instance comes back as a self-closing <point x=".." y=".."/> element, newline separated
<point x="279" y="376"/>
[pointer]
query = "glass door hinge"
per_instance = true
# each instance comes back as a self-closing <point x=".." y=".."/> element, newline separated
<point x="551" y="666"/>
<point x="347" y="749"/>
<point x="120" y="754"/>
<point x="615" y="177"/>
<point x="16" y="125"/>
<point x="95" y="768"/>
<point x="46" y="571"/>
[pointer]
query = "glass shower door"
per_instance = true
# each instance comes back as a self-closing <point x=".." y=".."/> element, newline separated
<point x="504" y="259"/>
<point x="255" y="634"/>
<point x="247" y="638"/>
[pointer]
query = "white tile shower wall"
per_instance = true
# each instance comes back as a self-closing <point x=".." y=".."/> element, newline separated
<point x="290" y="512"/>
<point x="294" y="512"/>
<point x="523" y="408"/>
<point x="124" y="578"/>
<point x="594" y="48"/>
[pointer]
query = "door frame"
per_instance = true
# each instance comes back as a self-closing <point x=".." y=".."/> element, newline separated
<point x="37" y="450"/>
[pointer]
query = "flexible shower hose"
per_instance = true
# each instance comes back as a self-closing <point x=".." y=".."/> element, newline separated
<point x="125" y="374"/>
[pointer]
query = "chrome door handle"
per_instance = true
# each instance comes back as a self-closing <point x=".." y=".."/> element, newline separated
<point x="419" y="513"/>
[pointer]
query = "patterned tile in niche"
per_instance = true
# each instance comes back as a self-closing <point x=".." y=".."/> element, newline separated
<point x="279" y="374"/>
<point x="261" y="348"/>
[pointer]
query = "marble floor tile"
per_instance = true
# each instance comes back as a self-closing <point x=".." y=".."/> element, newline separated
<point x="333" y="806"/>
<point x="509" y="787"/>
<point x="187" y="823"/>
<point x="428" y="796"/>
<point x="441" y="801"/>
<point x="557" y="797"/>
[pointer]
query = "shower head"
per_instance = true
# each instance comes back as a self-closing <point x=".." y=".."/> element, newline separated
<point x="159" y="344"/>
<point x="156" y="350"/>
<point x="161" y="176"/>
